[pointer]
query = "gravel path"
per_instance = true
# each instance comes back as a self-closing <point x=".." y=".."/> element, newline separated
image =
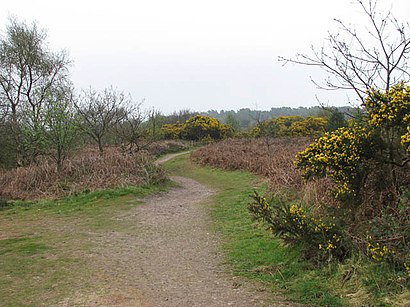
<point x="172" y="258"/>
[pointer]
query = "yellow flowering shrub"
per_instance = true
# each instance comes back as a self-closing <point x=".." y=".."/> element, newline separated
<point x="339" y="155"/>
<point x="405" y="139"/>
<point x="369" y="163"/>
<point x="172" y="131"/>
<point x="197" y="128"/>
<point x="378" y="251"/>
<point x="311" y="126"/>
<point x="407" y="265"/>
<point x="390" y="111"/>
<point x="321" y="239"/>
<point x="200" y="127"/>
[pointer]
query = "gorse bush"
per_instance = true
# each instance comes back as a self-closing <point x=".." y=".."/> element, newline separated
<point x="322" y="239"/>
<point x="201" y="127"/>
<point x="368" y="163"/>
<point x="172" y="131"/>
<point x="389" y="113"/>
<point x="198" y="128"/>
<point x="368" y="207"/>
<point x="340" y="155"/>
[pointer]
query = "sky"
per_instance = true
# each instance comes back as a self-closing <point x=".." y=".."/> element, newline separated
<point x="197" y="55"/>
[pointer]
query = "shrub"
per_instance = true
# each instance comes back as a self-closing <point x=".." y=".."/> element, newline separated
<point x="369" y="165"/>
<point x="340" y="155"/>
<point x="290" y="126"/>
<point x="200" y="127"/>
<point x="321" y="238"/>
<point x="172" y="131"/>
<point x="197" y="128"/>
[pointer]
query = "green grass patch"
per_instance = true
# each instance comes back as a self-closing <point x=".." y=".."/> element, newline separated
<point x="44" y="244"/>
<point x="253" y="252"/>
<point x="33" y="271"/>
<point x="22" y="246"/>
<point x="85" y="202"/>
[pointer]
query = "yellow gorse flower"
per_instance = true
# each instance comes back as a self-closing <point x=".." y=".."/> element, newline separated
<point x="336" y="154"/>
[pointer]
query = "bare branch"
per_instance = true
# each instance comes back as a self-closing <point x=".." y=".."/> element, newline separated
<point x="355" y="63"/>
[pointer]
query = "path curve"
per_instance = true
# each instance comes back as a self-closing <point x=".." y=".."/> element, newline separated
<point x="172" y="259"/>
<point x="168" y="157"/>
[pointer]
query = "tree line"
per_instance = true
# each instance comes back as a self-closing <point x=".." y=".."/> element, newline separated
<point x="43" y="115"/>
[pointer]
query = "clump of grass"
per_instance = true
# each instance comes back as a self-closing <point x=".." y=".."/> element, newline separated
<point x="4" y="203"/>
<point x="88" y="170"/>
<point x="22" y="246"/>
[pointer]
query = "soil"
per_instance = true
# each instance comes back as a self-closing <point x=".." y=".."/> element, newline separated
<point x="171" y="258"/>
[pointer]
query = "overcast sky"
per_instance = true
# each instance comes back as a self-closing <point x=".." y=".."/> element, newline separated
<point x="198" y="55"/>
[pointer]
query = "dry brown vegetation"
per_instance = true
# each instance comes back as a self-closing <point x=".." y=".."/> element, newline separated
<point x="271" y="158"/>
<point x="87" y="170"/>
<point x="168" y="146"/>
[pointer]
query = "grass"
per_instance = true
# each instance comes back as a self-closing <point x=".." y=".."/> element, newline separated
<point x="44" y="244"/>
<point x="251" y="251"/>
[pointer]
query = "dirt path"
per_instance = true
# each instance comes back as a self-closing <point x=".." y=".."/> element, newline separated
<point x="170" y="157"/>
<point x="171" y="259"/>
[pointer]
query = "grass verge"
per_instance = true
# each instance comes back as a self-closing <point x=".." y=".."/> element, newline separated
<point x="46" y="247"/>
<point x="252" y="252"/>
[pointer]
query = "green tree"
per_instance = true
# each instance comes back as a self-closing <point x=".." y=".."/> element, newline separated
<point x="7" y="146"/>
<point x="155" y="121"/>
<point x="61" y="124"/>
<point x="233" y="122"/>
<point x="28" y="71"/>
<point x="336" y="120"/>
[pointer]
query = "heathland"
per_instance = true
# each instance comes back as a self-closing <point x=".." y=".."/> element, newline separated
<point x="280" y="207"/>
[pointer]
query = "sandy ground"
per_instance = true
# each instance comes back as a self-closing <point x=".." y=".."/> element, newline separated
<point x="171" y="259"/>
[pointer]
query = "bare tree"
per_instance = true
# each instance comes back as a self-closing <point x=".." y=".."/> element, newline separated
<point x="101" y="112"/>
<point x="155" y="121"/>
<point x="361" y="63"/>
<point x="267" y="130"/>
<point x="132" y="131"/>
<point x="179" y="117"/>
